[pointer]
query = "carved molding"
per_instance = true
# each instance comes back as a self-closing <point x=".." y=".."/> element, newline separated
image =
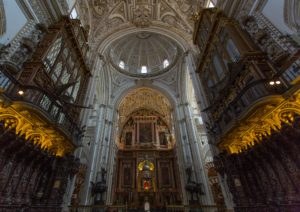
<point x="144" y="98"/>
<point x="108" y="17"/>
<point x="265" y="120"/>
<point x="292" y="14"/>
<point x="36" y="130"/>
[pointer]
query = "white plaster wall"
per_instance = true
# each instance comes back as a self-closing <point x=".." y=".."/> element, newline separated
<point x="15" y="20"/>
<point x="273" y="10"/>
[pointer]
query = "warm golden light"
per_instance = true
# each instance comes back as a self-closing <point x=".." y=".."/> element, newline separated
<point x="267" y="118"/>
<point x="36" y="130"/>
<point x="21" y="93"/>
<point x="271" y="82"/>
<point x="142" y="163"/>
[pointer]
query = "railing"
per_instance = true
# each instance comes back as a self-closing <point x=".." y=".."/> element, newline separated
<point x="292" y="72"/>
<point x="245" y="98"/>
<point x="43" y="101"/>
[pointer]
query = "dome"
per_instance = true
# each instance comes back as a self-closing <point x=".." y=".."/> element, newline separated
<point x="143" y="54"/>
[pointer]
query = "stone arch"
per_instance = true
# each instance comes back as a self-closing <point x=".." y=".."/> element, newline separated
<point x="292" y="14"/>
<point x="123" y="93"/>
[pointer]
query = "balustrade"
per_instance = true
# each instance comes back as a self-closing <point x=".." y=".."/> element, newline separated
<point x="47" y="103"/>
<point x="245" y="98"/>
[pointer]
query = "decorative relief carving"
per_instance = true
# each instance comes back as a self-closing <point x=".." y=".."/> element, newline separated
<point x="118" y="81"/>
<point x="15" y="44"/>
<point x="262" y="123"/>
<point x="144" y="98"/>
<point x="42" y="14"/>
<point x="292" y="14"/>
<point x="137" y="13"/>
<point x="170" y="81"/>
<point x="100" y="6"/>
<point x="142" y="17"/>
<point x="34" y="129"/>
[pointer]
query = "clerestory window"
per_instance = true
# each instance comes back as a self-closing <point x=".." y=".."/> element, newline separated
<point x="122" y="64"/>
<point x="166" y="63"/>
<point x="144" y="70"/>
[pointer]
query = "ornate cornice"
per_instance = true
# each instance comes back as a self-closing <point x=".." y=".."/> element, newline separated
<point x="265" y="119"/>
<point x="20" y="118"/>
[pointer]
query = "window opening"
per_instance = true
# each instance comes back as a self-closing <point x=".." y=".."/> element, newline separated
<point x="144" y="70"/>
<point x="122" y="64"/>
<point x="166" y="63"/>
<point x="74" y="14"/>
<point x="211" y="4"/>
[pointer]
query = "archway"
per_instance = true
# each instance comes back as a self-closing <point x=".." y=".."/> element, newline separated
<point x="146" y="168"/>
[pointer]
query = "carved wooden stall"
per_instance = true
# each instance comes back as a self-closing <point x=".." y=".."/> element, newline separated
<point x="42" y="89"/>
<point x="253" y="111"/>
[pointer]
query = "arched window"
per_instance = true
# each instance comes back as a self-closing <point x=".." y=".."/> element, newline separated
<point x="232" y="50"/>
<point x="218" y="67"/>
<point x="166" y="63"/>
<point x="144" y="70"/>
<point x="122" y="64"/>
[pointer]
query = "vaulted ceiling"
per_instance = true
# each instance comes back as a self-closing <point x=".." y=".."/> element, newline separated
<point x="144" y="98"/>
<point x="104" y="17"/>
<point x="112" y="21"/>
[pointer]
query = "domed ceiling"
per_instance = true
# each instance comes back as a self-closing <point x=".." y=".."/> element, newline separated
<point x="143" y="54"/>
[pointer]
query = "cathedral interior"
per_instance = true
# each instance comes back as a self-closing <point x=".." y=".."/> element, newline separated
<point x="149" y="105"/>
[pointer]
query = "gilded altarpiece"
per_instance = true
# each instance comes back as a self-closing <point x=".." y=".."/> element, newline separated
<point x="147" y="165"/>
